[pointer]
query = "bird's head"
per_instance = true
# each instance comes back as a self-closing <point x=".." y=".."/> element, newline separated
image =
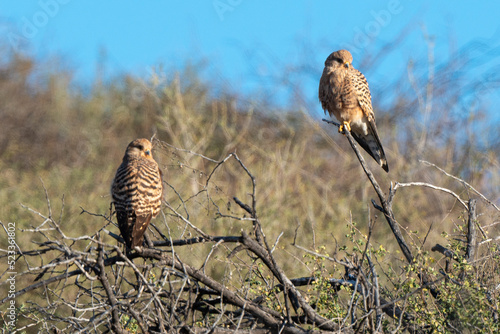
<point x="139" y="148"/>
<point x="339" y="58"/>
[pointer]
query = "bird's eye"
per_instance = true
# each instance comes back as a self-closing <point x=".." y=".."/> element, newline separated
<point x="140" y="147"/>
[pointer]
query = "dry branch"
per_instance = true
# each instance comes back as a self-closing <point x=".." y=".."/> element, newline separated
<point x="386" y="207"/>
<point x="471" y="232"/>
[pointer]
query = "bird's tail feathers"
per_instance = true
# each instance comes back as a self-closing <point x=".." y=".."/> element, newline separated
<point x="371" y="144"/>
<point x="140" y="227"/>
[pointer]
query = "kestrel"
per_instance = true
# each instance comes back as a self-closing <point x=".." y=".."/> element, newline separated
<point x="344" y="92"/>
<point x="137" y="191"/>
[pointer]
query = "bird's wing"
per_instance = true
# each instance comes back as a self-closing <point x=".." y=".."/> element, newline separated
<point x="123" y="186"/>
<point x="370" y="141"/>
<point x="362" y="93"/>
<point x="328" y="93"/>
<point x="126" y="222"/>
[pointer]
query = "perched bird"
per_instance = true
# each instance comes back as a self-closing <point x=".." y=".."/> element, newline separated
<point x="137" y="191"/>
<point x="344" y="92"/>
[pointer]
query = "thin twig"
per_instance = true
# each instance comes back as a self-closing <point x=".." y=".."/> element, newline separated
<point x="463" y="182"/>
<point x="428" y="185"/>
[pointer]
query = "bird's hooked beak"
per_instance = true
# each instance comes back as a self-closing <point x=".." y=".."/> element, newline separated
<point x="346" y="64"/>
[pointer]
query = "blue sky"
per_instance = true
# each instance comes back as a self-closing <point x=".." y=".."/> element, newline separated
<point x="246" y="44"/>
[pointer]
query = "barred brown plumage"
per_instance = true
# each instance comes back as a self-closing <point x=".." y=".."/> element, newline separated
<point x="344" y="93"/>
<point x="137" y="191"/>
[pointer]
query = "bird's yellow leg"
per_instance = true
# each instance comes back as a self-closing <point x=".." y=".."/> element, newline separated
<point x="346" y="125"/>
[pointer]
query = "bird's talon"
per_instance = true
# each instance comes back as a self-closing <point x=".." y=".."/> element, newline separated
<point x="346" y="125"/>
